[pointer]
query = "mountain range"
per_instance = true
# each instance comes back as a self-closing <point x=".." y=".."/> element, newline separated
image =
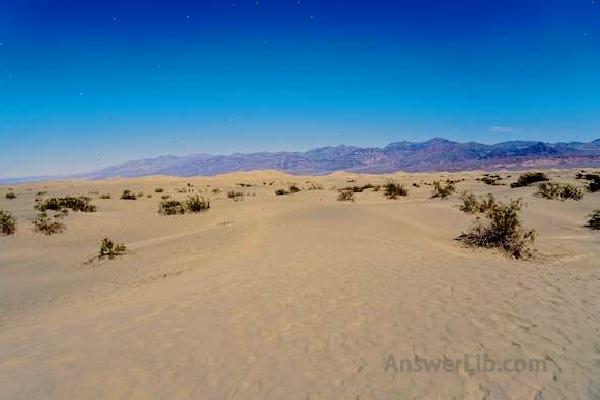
<point x="433" y="155"/>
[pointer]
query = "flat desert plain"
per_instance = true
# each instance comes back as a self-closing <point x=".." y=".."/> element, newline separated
<point x="298" y="296"/>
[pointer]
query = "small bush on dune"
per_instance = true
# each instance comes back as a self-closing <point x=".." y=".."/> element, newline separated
<point x="110" y="249"/>
<point x="235" y="195"/>
<point x="471" y="204"/>
<point x="528" y="178"/>
<point x="393" y="190"/>
<point x="443" y="191"/>
<point x="159" y="190"/>
<point x="314" y="186"/>
<point x="346" y="195"/>
<point x="43" y="224"/>
<point x="128" y="195"/>
<point x="552" y="191"/>
<point x="171" y="207"/>
<point x="10" y="195"/>
<point x="81" y="204"/>
<point x="594" y="181"/>
<point x="165" y="197"/>
<point x="281" y="192"/>
<point x="594" y="221"/>
<point x="8" y="223"/>
<point x="41" y="193"/>
<point x="105" y="196"/>
<point x="195" y="204"/>
<point x="293" y="189"/>
<point x="500" y="227"/>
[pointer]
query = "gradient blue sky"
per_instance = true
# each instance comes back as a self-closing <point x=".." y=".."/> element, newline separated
<point x="84" y="84"/>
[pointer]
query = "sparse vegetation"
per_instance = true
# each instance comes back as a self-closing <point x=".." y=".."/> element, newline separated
<point x="528" y="178"/>
<point x="41" y="193"/>
<point x="346" y="195"/>
<point x="165" y="197"/>
<point x="8" y="223"/>
<point x="43" y="224"/>
<point x="594" y="221"/>
<point x="171" y="207"/>
<point x="81" y="204"/>
<point x="471" y="204"/>
<point x="192" y="204"/>
<point x="281" y="192"/>
<point x="393" y="190"/>
<point x="489" y="179"/>
<point x="594" y="181"/>
<point x="552" y="191"/>
<point x="105" y="196"/>
<point x="235" y="195"/>
<point x="110" y="249"/>
<point x="128" y="195"/>
<point x="293" y="189"/>
<point x="443" y="191"/>
<point x="360" y="189"/>
<point x="159" y="190"/>
<point x="10" y="195"/>
<point x="500" y="227"/>
<point x="195" y="204"/>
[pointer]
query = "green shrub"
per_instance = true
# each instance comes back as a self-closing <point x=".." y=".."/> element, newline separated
<point x="443" y="191"/>
<point x="8" y="223"/>
<point x="10" y="195"/>
<point x="500" y="227"/>
<point x="346" y="195"/>
<point x="594" y="221"/>
<point x="528" y="178"/>
<point x="81" y="204"/>
<point x="552" y="191"/>
<point x="195" y="204"/>
<point x="43" y="224"/>
<point x="171" y="207"/>
<point x="110" y="249"/>
<point x="393" y="190"/>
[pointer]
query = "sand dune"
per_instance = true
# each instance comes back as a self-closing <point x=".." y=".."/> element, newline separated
<point x="295" y="297"/>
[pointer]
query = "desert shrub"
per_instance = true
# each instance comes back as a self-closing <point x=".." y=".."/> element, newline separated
<point x="393" y="190"/>
<point x="110" y="249"/>
<point x="159" y="190"/>
<point x="500" y="227"/>
<point x="235" y="195"/>
<point x="293" y="189"/>
<point x="594" y="181"/>
<point x="216" y="190"/>
<point x="81" y="204"/>
<point x="105" y="196"/>
<point x="244" y="184"/>
<point x="128" y="195"/>
<point x="195" y="204"/>
<point x="360" y="189"/>
<point x="552" y="191"/>
<point x="10" y="195"/>
<point x="594" y="221"/>
<point x="346" y="195"/>
<point x="8" y="223"/>
<point x="165" y="197"/>
<point x="314" y="186"/>
<point x="528" y="178"/>
<point x="281" y="192"/>
<point x="171" y="207"/>
<point x="490" y="179"/>
<point x="41" y="193"/>
<point x="43" y="224"/>
<point x="471" y="204"/>
<point x="415" y="184"/>
<point x="443" y="191"/>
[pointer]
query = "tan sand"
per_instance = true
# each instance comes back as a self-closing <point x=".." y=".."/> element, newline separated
<point x="295" y="297"/>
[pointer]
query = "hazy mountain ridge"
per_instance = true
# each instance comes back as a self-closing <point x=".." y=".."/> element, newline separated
<point x="433" y="155"/>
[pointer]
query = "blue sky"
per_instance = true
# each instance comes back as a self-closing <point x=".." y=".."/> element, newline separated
<point x="84" y="84"/>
